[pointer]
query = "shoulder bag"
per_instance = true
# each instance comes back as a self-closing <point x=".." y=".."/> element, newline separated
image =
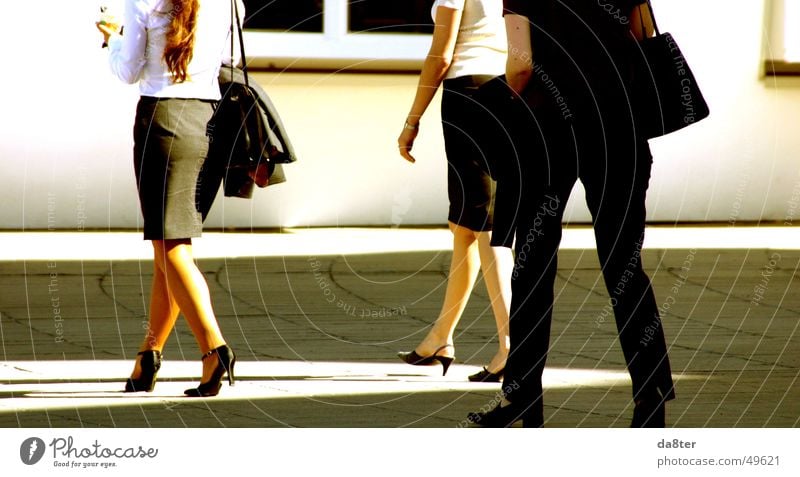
<point x="667" y="93"/>
<point x="243" y="136"/>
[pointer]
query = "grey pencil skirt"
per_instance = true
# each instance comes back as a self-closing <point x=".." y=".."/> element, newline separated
<point x="176" y="183"/>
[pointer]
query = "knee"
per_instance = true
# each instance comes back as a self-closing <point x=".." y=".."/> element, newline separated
<point x="463" y="235"/>
<point x="172" y="252"/>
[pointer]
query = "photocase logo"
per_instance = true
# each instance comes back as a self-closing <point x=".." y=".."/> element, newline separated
<point x="31" y="450"/>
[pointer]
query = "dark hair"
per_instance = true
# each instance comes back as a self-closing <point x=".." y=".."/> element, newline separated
<point x="180" y="39"/>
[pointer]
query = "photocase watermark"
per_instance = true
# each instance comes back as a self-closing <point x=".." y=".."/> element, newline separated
<point x="31" y="451"/>
<point x="51" y="211"/>
<point x="649" y="331"/>
<point x="347" y="308"/>
<point x="680" y="281"/>
<point x="52" y="271"/>
<point x="547" y="81"/>
<point x="741" y="190"/>
<point x="766" y="274"/>
<point x="614" y="11"/>
<point x="631" y="269"/>
<point x="793" y="203"/>
<point x="67" y="454"/>
<point x="679" y="63"/>
<point x="549" y="208"/>
<point x="552" y="88"/>
<point x="81" y="199"/>
<point x="55" y="301"/>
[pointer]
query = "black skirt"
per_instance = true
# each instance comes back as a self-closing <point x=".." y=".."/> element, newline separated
<point x="176" y="185"/>
<point x="469" y="186"/>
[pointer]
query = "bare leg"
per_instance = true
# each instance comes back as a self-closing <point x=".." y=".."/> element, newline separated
<point x="464" y="268"/>
<point x="497" y="264"/>
<point x="187" y="285"/>
<point x="164" y="312"/>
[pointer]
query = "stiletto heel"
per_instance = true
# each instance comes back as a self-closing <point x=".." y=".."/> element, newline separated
<point x="446" y="362"/>
<point x="225" y="362"/>
<point x="413" y="358"/>
<point x="149" y="363"/>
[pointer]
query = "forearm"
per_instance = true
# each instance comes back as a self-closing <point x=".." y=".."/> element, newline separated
<point x="437" y="63"/>
<point x="519" y="66"/>
<point x="127" y="53"/>
<point x="433" y="72"/>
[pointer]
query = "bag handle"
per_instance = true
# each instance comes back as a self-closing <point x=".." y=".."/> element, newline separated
<point x="652" y="18"/>
<point x="236" y="24"/>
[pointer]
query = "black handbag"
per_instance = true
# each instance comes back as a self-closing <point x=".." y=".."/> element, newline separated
<point x="243" y="136"/>
<point x="667" y="94"/>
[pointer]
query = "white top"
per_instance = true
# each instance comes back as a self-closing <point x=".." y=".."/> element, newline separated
<point x="481" y="46"/>
<point x="138" y="55"/>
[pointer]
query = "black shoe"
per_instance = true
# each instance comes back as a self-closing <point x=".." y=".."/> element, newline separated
<point x="506" y="416"/>
<point x="225" y="362"/>
<point x="486" y="376"/>
<point x="649" y="412"/>
<point x="149" y="363"/>
<point x="411" y="357"/>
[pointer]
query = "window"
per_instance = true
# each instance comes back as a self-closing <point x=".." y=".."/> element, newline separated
<point x="382" y="16"/>
<point x="284" y="15"/>
<point x="338" y="34"/>
<point x="783" y="49"/>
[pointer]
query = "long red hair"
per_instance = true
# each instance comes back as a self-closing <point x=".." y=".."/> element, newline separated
<point x="180" y="39"/>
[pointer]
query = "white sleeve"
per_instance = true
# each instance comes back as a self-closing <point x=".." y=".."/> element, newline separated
<point x="127" y="52"/>
<point x="454" y="4"/>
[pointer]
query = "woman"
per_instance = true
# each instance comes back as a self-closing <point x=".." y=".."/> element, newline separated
<point x="584" y="60"/>
<point x="468" y="49"/>
<point x="173" y="48"/>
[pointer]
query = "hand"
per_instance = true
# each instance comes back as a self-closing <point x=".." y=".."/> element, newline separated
<point x="405" y="142"/>
<point x="107" y="29"/>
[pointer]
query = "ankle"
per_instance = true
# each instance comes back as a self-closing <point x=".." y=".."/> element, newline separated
<point x="432" y="343"/>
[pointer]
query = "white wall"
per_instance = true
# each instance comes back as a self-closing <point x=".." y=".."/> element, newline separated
<point x="65" y="134"/>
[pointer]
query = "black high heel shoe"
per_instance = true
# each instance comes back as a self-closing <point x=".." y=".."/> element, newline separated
<point x="506" y="416"/>
<point x="225" y="362"/>
<point x="649" y="412"/>
<point x="486" y="376"/>
<point x="149" y="363"/>
<point x="411" y="357"/>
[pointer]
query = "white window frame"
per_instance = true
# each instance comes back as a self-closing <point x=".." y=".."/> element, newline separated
<point x="782" y="53"/>
<point x="336" y="48"/>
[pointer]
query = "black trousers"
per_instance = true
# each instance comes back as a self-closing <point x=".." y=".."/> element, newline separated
<point x="614" y="167"/>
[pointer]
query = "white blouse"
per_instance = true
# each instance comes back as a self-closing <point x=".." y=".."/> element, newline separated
<point x="138" y="55"/>
<point x="481" y="46"/>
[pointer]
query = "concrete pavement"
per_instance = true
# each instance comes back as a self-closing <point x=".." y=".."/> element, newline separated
<point x="316" y="328"/>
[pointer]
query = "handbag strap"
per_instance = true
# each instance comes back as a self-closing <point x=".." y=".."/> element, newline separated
<point x="236" y="24"/>
<point x="652" y="18"/>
